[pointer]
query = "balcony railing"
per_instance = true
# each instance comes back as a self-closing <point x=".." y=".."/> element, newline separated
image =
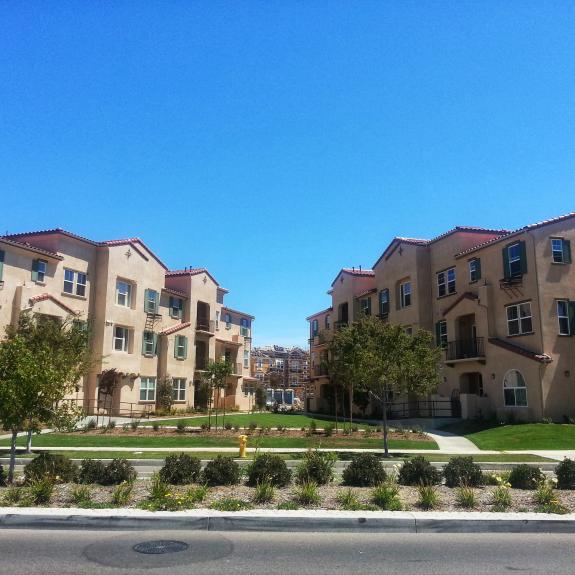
<point x="340" y="324"/>
<point x="465" y="349"/>
<point x="207" y="325"/>
<point x="319" y="370"/>
<point x="202" y="362"/>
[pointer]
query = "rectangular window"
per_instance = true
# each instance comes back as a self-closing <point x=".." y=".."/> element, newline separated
<point x="514" y="254"/>
<point x="217" y="320"/>
<point x="244" y="327"/>
<point x="474" y="270"/>
<point x="123" y="293"/>
<point x="327" y="324"/>
<point x="149" y="341"/>
<point x="179" y="389"/>
<point x="151" y="301"/>
<point x="408" y="330"/>
<point x="176" y="307"/>
<point x="147" y="389"/>
<point x="39" y="268"/>
<point x="446" y="282"/>
<point x="246" y="359"/>
<point x="180" y="347"/>
<point x="384" y="302"/>
<point x="121" y="338"/>
<point x="228" y="320"/>
<point x="365" y="306"/>
<point x="441" y="334"/>
<point x="314" y="328"/>
<point x="561" y="251"/>
<point x="563" y="317"/>
<point x="405" y="294"/>
<point x="519" y="319"/>
<point x="74" y="282"/>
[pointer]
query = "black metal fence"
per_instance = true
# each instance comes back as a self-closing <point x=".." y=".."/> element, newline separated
<point x="465" y="348"/>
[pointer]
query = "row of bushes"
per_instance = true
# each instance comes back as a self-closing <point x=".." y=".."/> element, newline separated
<point x="365" y="470"/>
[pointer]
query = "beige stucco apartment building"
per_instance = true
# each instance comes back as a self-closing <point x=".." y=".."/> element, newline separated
<point x="148" y="323"/>
<point x="501" y="305"/>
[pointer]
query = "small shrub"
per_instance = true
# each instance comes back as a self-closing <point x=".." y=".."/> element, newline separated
<point x="264" y="492"/>
<point x="501" y="498"/>
<point x="181" y="427"/>
<point x="316" y="467"/>
<point x="90" y="424"/>
<point x="126" y="427"/>
<point x="161" y="499"/>
<point x="40" y="491"/>
<point x="2" y="477"/>
<point x="252" y="426"/>
<point x="12" y="496"/>
<point x="428" y="497"/>
<point x="526" y="477"/>
<point x="57" y="468"/>
<point x="91" y="471"/>
<point x="365" y="470"/>
<point x="386" y="497"/>
<point x="81" y="497"/>
<point x="119" y="471"/>
<point x="221" y="471"/>
<point x="111" y="424"/>
<point x="269" y="468"/>
<point x="134" y="424"/>
<point x="545" y="495"/>
<point x="236" y="427"/>
<point x="465" y="497"/>
<point x="349" y="500"/>
<point x="181" y="469"/>
<point x="158" y="488"/>
<point x="307" y="494"/>
<point x="230" y="504"/>
<point x="328" y="430"/>
<point x="204" y="427"/>
<point x="368" y="432"/>
<point x="288" y="506"/>
<point x="354" y="428"/>
<point x="228" y="426"/>
<point x="197" y="494"/>
<point x="156" y="426"/>
<point x="122" y="493"/>
<point x="313" y="426"/>
<point x="565" y="472"/>
<point x="547" y="420"/>
<point x="418" y="471"/>
<point x="462" y="471"/>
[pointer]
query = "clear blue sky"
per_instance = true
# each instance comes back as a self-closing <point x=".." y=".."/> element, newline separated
<point x="275" y="142"/>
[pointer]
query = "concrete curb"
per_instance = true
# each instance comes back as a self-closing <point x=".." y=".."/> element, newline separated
<point x="287" y="521"/>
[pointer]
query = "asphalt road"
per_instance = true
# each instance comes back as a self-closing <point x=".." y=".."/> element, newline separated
<point x="29" y="552"/>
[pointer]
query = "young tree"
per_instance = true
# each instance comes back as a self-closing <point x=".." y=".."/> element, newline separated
<point x="41" y="362"/>
<point x="260" y="396"/>
<point x="397" y="363"/>
<point x="165" y="395"/>
<point x="217" y="373"/>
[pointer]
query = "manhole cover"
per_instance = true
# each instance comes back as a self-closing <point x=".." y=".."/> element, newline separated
<point x="160" y="547"/>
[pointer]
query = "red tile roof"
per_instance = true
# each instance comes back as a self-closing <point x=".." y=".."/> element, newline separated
<point x="354" y="272"/>
<point x="319" y="313"/>
<point x="517" y="232"/>
<point x="190" y="272"/>
<point x="466" y="295"/>
<point x="175" y="328"/>
<point x="47" y="296"/>
<point x="29" y="247"/>
<point x="52" y="231"/>
<point x="238" y="312"/>
<point x="469" y="229"/>
<point x="540" y="357"/>
<point x="366" y="292"/>
<point x="175" y="292"/>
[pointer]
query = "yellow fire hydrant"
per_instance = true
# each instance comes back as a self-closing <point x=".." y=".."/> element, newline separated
<point x="243" y="444"/>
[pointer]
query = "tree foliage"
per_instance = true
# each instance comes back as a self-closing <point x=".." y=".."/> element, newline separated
<point x="42" y="360"/>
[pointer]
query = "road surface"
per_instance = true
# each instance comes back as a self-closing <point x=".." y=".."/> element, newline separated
<point x="62" y="552"/>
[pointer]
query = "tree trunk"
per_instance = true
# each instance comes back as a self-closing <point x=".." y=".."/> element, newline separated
<point x="350" y="406"/>
<point x="29" y="442"/>
<point x="385" y="445"/>
<point x="224" y="417"/>
<point x="335" y="396"/>
<point x="12" y="456"/>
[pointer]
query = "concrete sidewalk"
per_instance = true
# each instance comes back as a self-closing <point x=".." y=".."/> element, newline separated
<point x="288" y="521"/>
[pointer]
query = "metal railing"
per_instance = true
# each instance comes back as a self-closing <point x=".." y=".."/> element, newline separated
<point x="202" y="362"/>
<point x="319" y="370"/>
<point x="109" y="408"/>
<point x="465" y="349"/>
<point x="207" y="325"/>
<point x="340" y="324"/>
<point x="423" y="408"/>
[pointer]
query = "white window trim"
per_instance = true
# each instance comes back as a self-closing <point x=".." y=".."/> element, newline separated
<point x="505" y="404"/>
<point x="471" y="271"/>
<point x="150" y="342"/>
<point x="41" y="274"/>
<point x="129" y="294"/>
<point x="180" y="344"/>
<point x="565" y="317"/>
<point x="561" y="251"/>
<point x="515" y="259"/>
<point x="148" y="389"/>
<point x="152" y="302"/>
<point x="519" y="318"/>
<point x="443" y="335"/>
<point x="403" y="294"/>
<point x="182" y="387"/>
<point x="125" y="339"/>
<point x="441" y="275"/>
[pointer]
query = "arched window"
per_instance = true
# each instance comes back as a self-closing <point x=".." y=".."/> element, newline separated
<point x="514" y="389"/>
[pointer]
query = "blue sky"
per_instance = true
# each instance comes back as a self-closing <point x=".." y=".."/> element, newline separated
<point x="275" y="142"/>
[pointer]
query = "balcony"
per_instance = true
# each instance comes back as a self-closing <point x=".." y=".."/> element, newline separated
<point x="337" y="325"/>
<point x="319" y="370"/>
<point x="206" y="325"/>
<point x="202" y="362"/>
<point x="465" y="350"/>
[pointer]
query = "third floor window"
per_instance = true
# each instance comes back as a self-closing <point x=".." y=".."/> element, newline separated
<point x="123" y="293"/>
<point x="446" y="282"/>
<point x="74" y="282"/>
<point x="561" y="251"/>
<point x="519" y="319"/>
<point x="405" y="294"/>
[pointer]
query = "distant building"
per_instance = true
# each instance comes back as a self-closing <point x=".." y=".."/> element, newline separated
<point x="280" y="366"/>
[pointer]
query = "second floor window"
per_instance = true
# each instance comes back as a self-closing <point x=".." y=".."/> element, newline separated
<point x="563" y="316"/>
<point x="244" y="327"/>
<point x="405" y="294"/>
<point x="124" y="293"/>
<point x="149" y="342"/>
<point x="314" y="328"/>
<point x="74" y="282"/>
<point x="441" y="334"/>
<point x="519" y="319"/>
<point x="176" y="307"/>
<point x="384" y="302"/>
<point x="151" y="301"/>
<point x="446" y="282"/>
<point x="327" y="321"/>
<point x="121" y="338"/>
<point x="228" y="320"/>
<point x="39" y="268"/>
<point x="365" y="306"/>
<point x="181" y="347"/>
<point x="474" y="270"/>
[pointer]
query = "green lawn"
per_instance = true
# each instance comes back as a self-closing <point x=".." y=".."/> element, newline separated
<point x="102" y="440"/>
<point x="261" y="419"/>
<point x="342" y="456"/>
<point x="520" y="436"/>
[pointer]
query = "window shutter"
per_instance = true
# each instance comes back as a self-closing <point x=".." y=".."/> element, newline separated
<point x="523" y="253"/>
<point x="437" y="334"/>
<point x="34" y="270"/>
<point x="566" y="254"/>
<point x="176" y="342"/>
<point x="572" y="318"/>
<point x="506" y="273"/>
<point x="146" y="297"/>
<point x="1" y="265"/>
<point x="172" y="301"/>
<point x="155" y="343"/>
<point x="144" y="343"/>
<point x="478" y="268"/>
<point x="185" y="347"/>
